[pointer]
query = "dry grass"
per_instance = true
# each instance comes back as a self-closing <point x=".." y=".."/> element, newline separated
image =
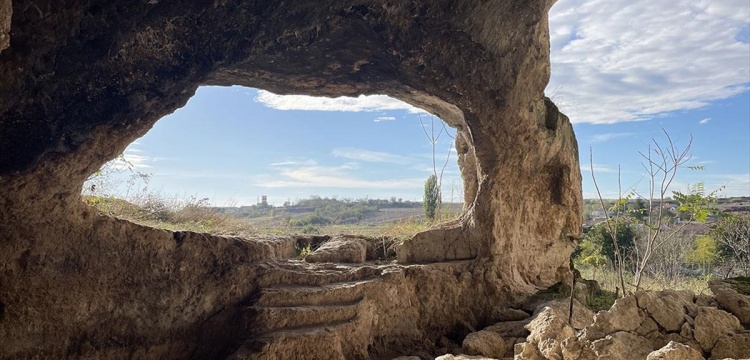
<point x="171" y="213"/>
<point x="608" y="280"/>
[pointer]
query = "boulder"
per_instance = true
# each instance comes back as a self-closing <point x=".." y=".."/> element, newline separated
<point x="549" y="327"/>
<point x="711" y="324"/>
<point x="732" y="346"/>
<point x="666" y="307"/>
<point x="587" y="290"/>
<point x="527" y="351"/>
<point x="622" y="345"/>
<point x="340" y="250"/>
<point x="623" y="316"/>
<point x="732" y="301"/>
<point x="675" y="351"/>
<point x="485" y="343"/>
<point x="509" y="329"/>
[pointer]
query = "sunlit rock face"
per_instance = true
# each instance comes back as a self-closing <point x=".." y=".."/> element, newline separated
<point x="80" y="80"/>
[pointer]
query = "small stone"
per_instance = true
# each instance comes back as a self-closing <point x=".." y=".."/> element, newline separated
<point x="686" y="331"/>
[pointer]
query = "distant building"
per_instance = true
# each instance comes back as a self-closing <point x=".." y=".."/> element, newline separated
<point x="264" y="200"/>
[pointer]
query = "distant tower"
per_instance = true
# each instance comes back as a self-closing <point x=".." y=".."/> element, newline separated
<point x="264" y="200"/>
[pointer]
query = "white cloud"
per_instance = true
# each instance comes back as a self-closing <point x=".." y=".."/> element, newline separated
<point x="137" y="161"/>
<point x="704" y="121"/>
<point x="598" y="168"/>
<point x="314" y="103"/>
<point x="696" y="161"/>
<point x="600" y="138"/>
<point x="627" y="60"/>
<point x="316" y="176"/>
<point x="370" y="156"/>
<point x="385" y="118"/>
<point x="293" y="163"/>
<point x="131" y="159"/>
<point x="734" y="184"/>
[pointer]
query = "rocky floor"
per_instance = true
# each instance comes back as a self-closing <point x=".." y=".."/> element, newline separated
<point x="303" y="304"/>
<point x="667" y="325"/>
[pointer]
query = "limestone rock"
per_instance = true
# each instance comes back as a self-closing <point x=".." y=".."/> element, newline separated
<point x="83" y="79"/>
<point x="667" y="307"/>
<point x="625" y="315"/>
<point x="462" y="357"/>
<point x="732" y="346"/>
<point x="711" y="324"/>
<point x="407" y="358"/>
<point x="705" y="300"/>
<point x="510" y="329"/>
<point x="586" y="290"/>
<point x="675" y="351"/>
<point x="340" y="250"/>
<point x="6" y="11"/>
<point x="730" y="300"/>
<point x="509" y="314"/>
<point x="549" y="326"/>
<point x="622" y="345"/>
<point x="485" y="343"/>
<point x="527" y="351"/>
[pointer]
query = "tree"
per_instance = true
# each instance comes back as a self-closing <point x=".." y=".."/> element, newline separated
<point x="625" y="234"/>
<point x="732" y="235"/>
<point x="661" y="164"/>
<point x="433" y="139"/>
<point x="432" y="197"/>
<point x="704" y="253"/>
<point x="589" y="253"/>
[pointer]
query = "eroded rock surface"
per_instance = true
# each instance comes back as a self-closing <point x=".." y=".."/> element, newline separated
<point x="485" y="343"/>
<point x="80" y="80"/>
<point x="732" y="300"/>
<point x="675" y="351"/>
<point x="637" y="327"/>
<point x="6" y="10"/>
<point x="340" y="250"/>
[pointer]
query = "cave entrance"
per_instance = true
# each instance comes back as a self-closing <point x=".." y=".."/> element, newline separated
<point x="241" y="161"/>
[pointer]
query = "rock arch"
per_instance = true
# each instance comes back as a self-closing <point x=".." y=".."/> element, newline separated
<point x="82" y="79"/>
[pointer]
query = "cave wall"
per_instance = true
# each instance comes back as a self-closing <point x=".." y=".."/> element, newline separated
<point x="81" y="79"/>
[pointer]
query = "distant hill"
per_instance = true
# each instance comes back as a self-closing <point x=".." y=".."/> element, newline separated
<point x="326" y="211"/>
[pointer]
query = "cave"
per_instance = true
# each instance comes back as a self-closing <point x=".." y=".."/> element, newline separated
<point x="82" y="79"/>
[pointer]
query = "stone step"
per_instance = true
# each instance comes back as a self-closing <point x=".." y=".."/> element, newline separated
<point x="296" y="274"/>
<point x="269" y="319"/>
<point x="341" y="292"/>
<point x="310" y="342"/>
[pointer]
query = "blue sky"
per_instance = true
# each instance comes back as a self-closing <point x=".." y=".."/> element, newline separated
<point x="622" y="71"/>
